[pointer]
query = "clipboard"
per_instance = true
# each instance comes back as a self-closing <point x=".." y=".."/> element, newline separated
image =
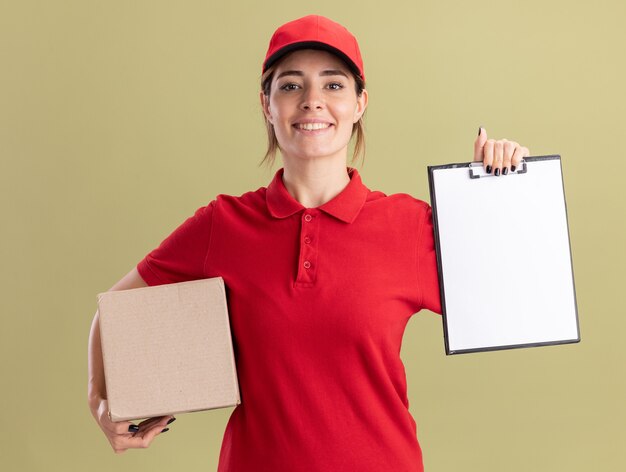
<point x="504" y="256"/>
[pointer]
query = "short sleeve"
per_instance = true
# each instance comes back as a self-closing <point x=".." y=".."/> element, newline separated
<point x="427" y="273"/>
<point x="182" y="255"/>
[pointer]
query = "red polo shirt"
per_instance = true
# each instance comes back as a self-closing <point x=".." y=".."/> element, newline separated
<point x="318" y="299"/>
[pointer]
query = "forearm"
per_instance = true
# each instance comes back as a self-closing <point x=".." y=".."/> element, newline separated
<point x="96" y="388"/>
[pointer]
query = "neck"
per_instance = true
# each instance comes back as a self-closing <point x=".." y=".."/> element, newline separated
<point x="314" y="183"/>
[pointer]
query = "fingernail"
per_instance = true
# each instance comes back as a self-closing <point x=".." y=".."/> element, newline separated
<point x="512" y="168"/>
<point x="479" y="130"/>
<point x="489" y="169"/>
<point x="497" y="172"/>
<point x="165" y="430"/>
<point x="133" y="428"/>
<point x="505" y="170"/>
<point x="171" y="420"/>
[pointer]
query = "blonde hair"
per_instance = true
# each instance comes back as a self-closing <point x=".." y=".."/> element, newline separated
<point x="272" y="143"/>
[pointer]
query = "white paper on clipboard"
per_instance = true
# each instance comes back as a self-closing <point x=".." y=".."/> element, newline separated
<point x="504" y="257"/>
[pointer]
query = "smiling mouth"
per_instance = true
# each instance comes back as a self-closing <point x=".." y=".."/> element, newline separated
<point x="312" y="126"/>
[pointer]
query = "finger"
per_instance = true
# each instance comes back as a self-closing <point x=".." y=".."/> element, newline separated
<point x="121" y="443"/>
<point x="143" y="439"/>
<point x="156" y="425"/>
<point x="117" y="440"/>
<point x="509" y="150"/>
<point x="479" y="143"/>
<point x="147" y="424"/>
<point x="498" y="151"/>
<point x="118" y="427"/>
<point x="517" y="157"/>
<point x="488" y="153"/>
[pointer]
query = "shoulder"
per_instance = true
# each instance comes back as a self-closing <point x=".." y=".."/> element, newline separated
<point x="397" y="202"/>
<point x="229" y="203"/>
<point x="253" y="200"/>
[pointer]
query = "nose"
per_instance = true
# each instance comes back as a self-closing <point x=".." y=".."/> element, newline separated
<point x="312" y="99"/>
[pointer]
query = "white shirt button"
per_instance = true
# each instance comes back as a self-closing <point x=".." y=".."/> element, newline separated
<point x="307" y="217"/>
<point x="307" y="265"/>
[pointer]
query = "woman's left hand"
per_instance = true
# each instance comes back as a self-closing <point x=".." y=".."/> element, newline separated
<point x="498" y="156"/>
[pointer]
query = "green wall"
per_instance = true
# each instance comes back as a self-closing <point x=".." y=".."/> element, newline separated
<point x="118" y="119"/>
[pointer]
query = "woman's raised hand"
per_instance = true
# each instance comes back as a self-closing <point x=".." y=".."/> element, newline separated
<point x="498" y="156"/>
<point x="125" y="435"/>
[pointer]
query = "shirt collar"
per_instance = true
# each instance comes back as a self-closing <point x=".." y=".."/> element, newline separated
<point x="345" y="206"/>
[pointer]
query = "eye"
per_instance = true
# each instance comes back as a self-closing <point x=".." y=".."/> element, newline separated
<point x="335" y="86"/>
<point x="289" y="86"/>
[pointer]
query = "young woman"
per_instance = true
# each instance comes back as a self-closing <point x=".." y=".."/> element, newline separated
<point x="322" y="275"/>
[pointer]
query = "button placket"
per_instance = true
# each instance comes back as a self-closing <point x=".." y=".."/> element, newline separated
<point x="307" y="267"/>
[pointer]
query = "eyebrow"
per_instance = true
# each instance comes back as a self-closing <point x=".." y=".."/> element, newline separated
<point x="299" y="73"/>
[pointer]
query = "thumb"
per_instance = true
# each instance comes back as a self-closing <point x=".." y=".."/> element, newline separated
<point x="144" y="438"/>
<point x="479" y="144"/>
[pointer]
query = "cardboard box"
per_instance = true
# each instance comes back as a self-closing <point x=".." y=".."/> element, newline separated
<point x="167" y="349"/>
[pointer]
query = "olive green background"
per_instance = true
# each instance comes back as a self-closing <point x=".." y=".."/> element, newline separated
<point x="118" y="119"/>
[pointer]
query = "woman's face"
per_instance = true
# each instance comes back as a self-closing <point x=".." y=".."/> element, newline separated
<point x="313" y="105"/>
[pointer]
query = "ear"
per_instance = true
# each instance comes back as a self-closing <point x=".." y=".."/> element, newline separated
<point x="361" y="105"/>
<point x="265" y="104"/>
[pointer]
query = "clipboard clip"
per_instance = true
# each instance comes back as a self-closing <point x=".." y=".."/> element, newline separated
<point x="476" y="170"/>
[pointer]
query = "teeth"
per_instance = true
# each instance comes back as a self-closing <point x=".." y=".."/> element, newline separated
<point x="312" y="126"/>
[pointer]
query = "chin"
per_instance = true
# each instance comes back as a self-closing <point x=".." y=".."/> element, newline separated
<point x="319" y="156"/>
<point x="319" y="153"/>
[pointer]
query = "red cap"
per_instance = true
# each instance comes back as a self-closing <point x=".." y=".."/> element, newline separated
<point x="315" y="32"/>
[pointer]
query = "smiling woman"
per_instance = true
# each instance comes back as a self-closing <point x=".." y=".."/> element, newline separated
<point x="348" y="70"/>
<point x="323" y="275"/>
<point x="312" y="105"/>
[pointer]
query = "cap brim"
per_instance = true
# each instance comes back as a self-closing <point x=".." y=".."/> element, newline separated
<point x="311" y="45"/>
